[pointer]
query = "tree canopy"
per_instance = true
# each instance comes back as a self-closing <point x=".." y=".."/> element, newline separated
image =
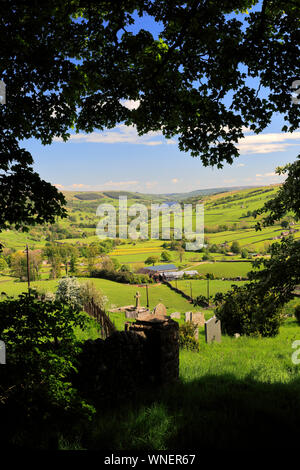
<point x="71" y="65"/>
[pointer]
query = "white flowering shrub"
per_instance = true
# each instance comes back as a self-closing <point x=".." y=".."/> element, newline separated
<point x="69" y="292"/>
<point x="76" y="294"/>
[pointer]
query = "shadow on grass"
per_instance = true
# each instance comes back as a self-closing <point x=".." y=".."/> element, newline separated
<point x="215" y="411"/>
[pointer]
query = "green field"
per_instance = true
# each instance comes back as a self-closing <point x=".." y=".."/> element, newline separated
<point x="118" y="294"/>
<point x="224" y="269"/>
<point x="230" y="209"/>
<point x="199" y="287"/>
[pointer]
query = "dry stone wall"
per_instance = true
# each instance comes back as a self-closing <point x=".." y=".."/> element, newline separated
<point x="146" y="353"/>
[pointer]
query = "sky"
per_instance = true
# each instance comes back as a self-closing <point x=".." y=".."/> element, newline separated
<point x="118" y="159"/>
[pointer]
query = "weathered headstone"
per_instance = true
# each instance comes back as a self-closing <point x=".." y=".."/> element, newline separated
<point x="195" y="317"/>
<point x="198" y="318"/>
<point x="176" y="315"/>
<point x="213" y="330"/>
<point x="188" y="316"/>
<point x="160" y="309"/>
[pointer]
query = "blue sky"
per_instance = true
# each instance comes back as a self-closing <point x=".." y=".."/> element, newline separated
<point x="119" y="159"/>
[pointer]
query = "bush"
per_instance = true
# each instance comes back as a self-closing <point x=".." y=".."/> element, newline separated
<point x="249" y="311"/>
<point x="235" y="247"/>
<point x="38" y="400"/>
<point x="68" y="291"/>
<point x="187" y="338"/>
<point x="297" y="313"/>
<point x="89" y="291"/>
<point x="121" y="276"/>
<point x="200" y="301"/>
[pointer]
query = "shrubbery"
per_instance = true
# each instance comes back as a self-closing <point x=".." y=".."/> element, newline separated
<point x="187" y="338"/>
<point x="249" y="311"/>
<point x="76" y="294"/>
<point x="37" y="397"/>
<point x="68" y="291"/>
<point x="121" y="276"/>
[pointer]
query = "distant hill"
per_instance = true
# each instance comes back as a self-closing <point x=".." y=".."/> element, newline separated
<point x="228" y="216"/>
<point x="140" y="197"/>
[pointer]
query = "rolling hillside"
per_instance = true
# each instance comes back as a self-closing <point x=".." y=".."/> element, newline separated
<point x="228" y="217"/>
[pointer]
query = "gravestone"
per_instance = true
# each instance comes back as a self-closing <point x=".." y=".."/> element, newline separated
<point x="213" y="330"/>
<point x="188" y="316"/>
<point x="195" y="317"/>
<point x="160" y="309"/>
<point x="176" y="315"/>
<point x="198" y="318"/>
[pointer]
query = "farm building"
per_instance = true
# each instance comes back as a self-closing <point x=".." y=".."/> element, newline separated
<point x="173" y="275"/>
<point x="178" y="274"/>
<point x="191" y="273"/>
<point x="159" y="269"/>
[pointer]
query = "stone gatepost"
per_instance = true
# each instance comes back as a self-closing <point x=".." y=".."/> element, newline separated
<point x="161" y="347"/>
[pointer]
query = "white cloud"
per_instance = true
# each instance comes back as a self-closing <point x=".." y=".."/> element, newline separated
<point x="239" y="165"/>
<point x="268" y="142"/>
<point x="130" y="104"/>
<point x="151" y="184"/>
<point x="118" y="184"/>
<point x="80" y="186"/>
<point x="121" y="134"/>
<point x="266" y="175"/>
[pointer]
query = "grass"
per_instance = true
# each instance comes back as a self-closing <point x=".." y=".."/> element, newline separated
<point x="241" y="393"/>
<point x="118" y="294"/>
<point x="199" y="287"/>
<point x="225" y="269"/>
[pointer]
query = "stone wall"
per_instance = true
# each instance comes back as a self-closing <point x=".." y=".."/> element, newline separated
<point x="178" y="291"/>
<point x="146" y="353"/>
<point x="161" y="347"/>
